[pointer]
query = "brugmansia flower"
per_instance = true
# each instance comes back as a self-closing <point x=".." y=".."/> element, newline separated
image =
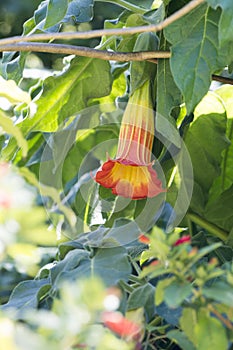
<point x="131" y="174"/>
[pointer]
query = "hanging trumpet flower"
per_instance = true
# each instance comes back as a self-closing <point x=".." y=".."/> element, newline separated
<point x="131" y="174"/>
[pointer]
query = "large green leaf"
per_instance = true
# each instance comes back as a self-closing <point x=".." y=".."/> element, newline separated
<point x="206" y="140"/>
<point x="111" y="264"/>
<point x="195" y="52"/>
<point x="67" y="93"/>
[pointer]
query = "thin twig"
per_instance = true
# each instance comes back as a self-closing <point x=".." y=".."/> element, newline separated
<point x="221" y="79"/>
<point x="215" y="77"/>
<point x="100" y="32"/>
<point x="86" y="51"/>
<point x="224" y="320"/>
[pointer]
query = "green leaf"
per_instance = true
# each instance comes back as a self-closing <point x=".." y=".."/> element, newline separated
<point x="79" y="11"/>
<point x="155" y="16"/>
<point x="230" y="67"/>
<point x="206" y="140"/>
<point x="56" y="12"/>
<point x="143" y="71"/>
<point x="176" y="293"/>
<point x="220" y="211"/>
<point x="219" y="208"/>
<point x="142" y="296"/>
<point x="168" y="97"/>
<point x="210" y="332"/>
<point x="27" y="294"/>
<point x="66" y="94"/>
<point x="10" y="277"/>
<point x="188" y="322"/>
<point x="111" y="264"/>
<point x="47" y="19"/>
<point x="195" y="52"/>
<point x="160" y="289"/>
<point x="8" y="126"/>
<point x="225" y="180"/>
<point x="226" y="21"/>
<point x="181" y="339"/>
<point x="220" y="292"/>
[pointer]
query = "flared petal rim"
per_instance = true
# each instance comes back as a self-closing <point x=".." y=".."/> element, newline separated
<point x="129" y="180"/>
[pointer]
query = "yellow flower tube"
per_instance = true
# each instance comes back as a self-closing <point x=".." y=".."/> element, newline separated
<point x="131" y="174"/>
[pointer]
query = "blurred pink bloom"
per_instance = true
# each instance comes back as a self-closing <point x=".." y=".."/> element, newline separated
<point x="183" y="239"/>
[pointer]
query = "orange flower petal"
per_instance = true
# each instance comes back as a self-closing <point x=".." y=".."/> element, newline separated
<point x="129" y="180"/>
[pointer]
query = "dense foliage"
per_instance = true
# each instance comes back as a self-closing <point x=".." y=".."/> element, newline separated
<point x="83" y="268"/>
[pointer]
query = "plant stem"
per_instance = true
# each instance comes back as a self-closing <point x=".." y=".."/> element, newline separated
<point x="85" y="51"/>
<point x="221" y="79"/>
<point x="215" y="230"/>
<point x="224" y="320"/>
<point x="126" y="5"/>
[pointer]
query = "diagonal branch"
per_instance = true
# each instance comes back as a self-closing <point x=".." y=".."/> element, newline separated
<point x="86" y="51"/>
<point x="151" y="56"/>
<point x="100" y="32"/>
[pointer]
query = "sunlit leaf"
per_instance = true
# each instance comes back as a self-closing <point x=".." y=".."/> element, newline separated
<point x="12" y="92"/>
<point x="67" y="93"/>
<point x="7" y="125"/>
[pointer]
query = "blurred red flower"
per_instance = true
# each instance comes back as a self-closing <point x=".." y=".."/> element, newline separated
<point x="120" y="325"/>
<point x="182" y="240"/>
